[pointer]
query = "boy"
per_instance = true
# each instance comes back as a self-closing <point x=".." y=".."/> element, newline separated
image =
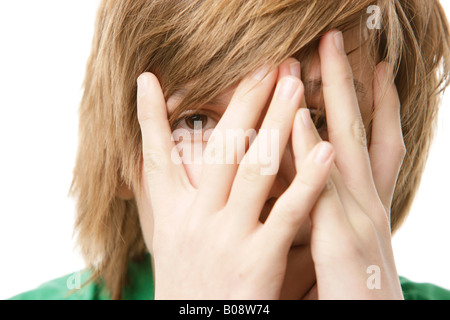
<point x="317" y="227"/>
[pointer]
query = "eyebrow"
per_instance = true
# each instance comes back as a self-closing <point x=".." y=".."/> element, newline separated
<point x="217" y="101"/>
<point x="312" y="86"/>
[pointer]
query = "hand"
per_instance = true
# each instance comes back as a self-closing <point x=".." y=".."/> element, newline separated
<point x="350" y="223"/>
<point x="208" y="243"/>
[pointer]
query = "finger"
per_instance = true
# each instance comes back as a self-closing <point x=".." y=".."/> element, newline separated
<point x="291" y="209"/>
<point x="387" y="147"/>
<point x="227" y="143"/>
<point x="304" y="137"/>
<point x="345" y="126"/>
<point x="162" y="167"/>
<point x="335" y="195"/>
<point x="260" y="165"/>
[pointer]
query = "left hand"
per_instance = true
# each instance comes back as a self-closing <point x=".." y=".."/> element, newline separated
<point x="350" y="223"/>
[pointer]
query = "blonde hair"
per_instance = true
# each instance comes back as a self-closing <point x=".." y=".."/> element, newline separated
<point x="216" y="43"/>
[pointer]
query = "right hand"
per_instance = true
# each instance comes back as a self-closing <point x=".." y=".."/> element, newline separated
<point x="208" y="242"/>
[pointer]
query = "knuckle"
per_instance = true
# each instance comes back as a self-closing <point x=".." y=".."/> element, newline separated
<point x="246" y="95"/>
<point x="348" y="75"/>
<point x="328" y="189"/>
<point x="277" y="120"/>
<point x="288" y="215"/>
<point x="312" y="188"/>
<point x="288" y="210"/>
<point x="153" y="161"/>
<point x="358" y="132"/>
<point x="142" y="118"/>
<point x="345" y="77"/>
<point x="244" y="98"/>
<point x="308" y="185"/>
<point x="250" y="173"/>
<point x="143" y="114"/>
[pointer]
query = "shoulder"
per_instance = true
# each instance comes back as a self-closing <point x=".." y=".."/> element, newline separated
<point x="73" y="286"/>
<point x="423" y="291"/>
<point x="77" y="285"/>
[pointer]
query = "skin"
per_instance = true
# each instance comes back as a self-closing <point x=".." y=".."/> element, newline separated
<point x="204" y="223"/>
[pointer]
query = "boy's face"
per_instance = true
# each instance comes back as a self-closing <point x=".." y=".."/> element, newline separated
<point x="300" y="271"/>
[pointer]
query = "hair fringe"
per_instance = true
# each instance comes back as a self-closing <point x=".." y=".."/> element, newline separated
<point x="215" y="43"/>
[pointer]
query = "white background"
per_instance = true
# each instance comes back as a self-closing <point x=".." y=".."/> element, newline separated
<point x="44" y="48"/>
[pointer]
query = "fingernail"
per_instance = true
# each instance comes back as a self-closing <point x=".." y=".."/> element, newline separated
<point x="260" y="73"/>
<point x="142" y="85"/>
<point x="295" y="69"/>
<point x="288" y="87"/>
<point x="339" y="42"/>
<point x="323" y="153"/>
<point x="306" y="117"/>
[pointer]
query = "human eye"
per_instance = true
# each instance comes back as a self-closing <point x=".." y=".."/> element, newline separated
<point x="195" y="121"/>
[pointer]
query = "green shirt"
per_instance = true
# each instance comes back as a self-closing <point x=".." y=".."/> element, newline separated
<point x="140" y="287"/>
